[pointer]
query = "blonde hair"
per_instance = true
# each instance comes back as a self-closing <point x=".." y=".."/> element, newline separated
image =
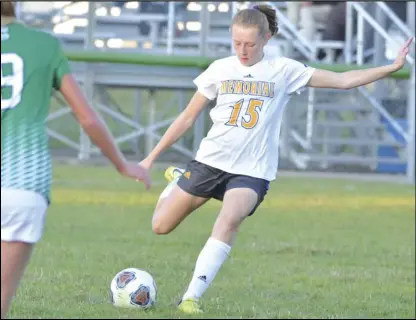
<point x="261" y="16"/>
<point x="7" y="9"/>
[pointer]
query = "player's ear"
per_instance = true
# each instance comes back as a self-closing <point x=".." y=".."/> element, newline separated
<point x="268" y="36"/>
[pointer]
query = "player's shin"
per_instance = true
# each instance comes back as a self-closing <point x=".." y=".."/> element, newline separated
<point x="14" y="259"/>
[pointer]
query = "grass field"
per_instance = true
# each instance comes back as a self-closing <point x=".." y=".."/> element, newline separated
<point x="315" y="249"/>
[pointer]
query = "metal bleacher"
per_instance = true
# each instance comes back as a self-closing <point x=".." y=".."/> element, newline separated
<point x="135" y="26"/>
<point x="143" y="27"/>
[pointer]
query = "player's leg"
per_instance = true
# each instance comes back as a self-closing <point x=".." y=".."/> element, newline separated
<point x="22" y="220"/>
<point x="14" y="259"/>
<point x="238" y="203"/>
<point x="173" y="209"/>
<point x="182" y="196"/>
<point x="172" y="174"/>
<point x="241" y="199"/>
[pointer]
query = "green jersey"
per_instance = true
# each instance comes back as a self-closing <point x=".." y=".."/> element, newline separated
<point x="32" y="66"/>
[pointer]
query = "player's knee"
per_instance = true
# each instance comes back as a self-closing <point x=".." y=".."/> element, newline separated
<point x="159" y="227"/>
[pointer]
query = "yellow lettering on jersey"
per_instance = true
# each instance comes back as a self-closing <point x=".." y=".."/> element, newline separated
<point x="235" y="113"/>
<point x="265" y="92"/>
<point x="230" y="86"/>
<point x="246" y="87"/>
<point x="254" y="88"/>
<point x="260" y="87"/>
<point x="253" y="109"/>
<point x="238" y="89"/>
<point x="271" y="91"/>
<point x="251" y="117"/>
<point x="224" y="87"/>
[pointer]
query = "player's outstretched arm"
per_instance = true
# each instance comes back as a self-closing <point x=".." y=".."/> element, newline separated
<point x="96" y="129"/>
<point x="356" y="78"/>
<point x="178" y="128"/>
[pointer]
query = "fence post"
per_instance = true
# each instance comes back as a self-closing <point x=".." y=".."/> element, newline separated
<point x="411" y="129"/>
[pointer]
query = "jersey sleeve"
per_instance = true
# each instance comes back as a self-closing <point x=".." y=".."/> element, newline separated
<point x="60" y="67"/>
<point x="207" y="81"/>
<point x="297" y="76"/>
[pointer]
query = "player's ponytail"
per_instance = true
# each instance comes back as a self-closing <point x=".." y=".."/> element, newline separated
<point x="260" y="16"/>
<point x="7" y="9"/>
<point x="270" y="14"/>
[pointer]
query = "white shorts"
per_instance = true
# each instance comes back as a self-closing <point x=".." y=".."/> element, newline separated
<point x="23" y="215"/>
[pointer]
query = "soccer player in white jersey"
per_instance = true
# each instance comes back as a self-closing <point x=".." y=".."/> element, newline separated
<point x="238" y="158"/>
<point x="32" y="66"/>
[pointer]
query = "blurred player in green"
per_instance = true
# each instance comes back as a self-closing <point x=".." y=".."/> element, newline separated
<point x="32" y="67"/>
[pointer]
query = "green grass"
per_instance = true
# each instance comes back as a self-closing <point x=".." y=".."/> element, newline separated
<point x="315" y="249"/>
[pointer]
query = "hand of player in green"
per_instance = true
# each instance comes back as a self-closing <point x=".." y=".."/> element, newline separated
<point x="138" y="172"/>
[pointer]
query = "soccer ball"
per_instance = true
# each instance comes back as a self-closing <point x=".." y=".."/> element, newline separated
<point x="133" y="288"/>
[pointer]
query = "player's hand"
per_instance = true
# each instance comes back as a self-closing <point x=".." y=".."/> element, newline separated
<point x="147" y="164"/>
<point x="138" y="172"/>
<point x="401" y="56"/>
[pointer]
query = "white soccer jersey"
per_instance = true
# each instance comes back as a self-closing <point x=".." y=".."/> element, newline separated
<point x="244" y="138"/>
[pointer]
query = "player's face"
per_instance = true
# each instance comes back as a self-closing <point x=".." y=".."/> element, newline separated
<point x="248" y="44"/>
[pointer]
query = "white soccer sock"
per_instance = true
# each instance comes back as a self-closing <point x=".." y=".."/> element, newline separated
<point x="210" y="260"/>
<point x="165" y="193"/>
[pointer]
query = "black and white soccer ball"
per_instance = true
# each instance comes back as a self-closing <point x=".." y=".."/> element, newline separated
<point x="133" y="288"/>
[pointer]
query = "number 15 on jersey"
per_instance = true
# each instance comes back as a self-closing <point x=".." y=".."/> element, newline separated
<point x="251" y="117"/>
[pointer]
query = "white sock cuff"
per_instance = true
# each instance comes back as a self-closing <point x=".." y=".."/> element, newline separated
<point x="168" y="189"/>
<point x="219" y="244"/>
